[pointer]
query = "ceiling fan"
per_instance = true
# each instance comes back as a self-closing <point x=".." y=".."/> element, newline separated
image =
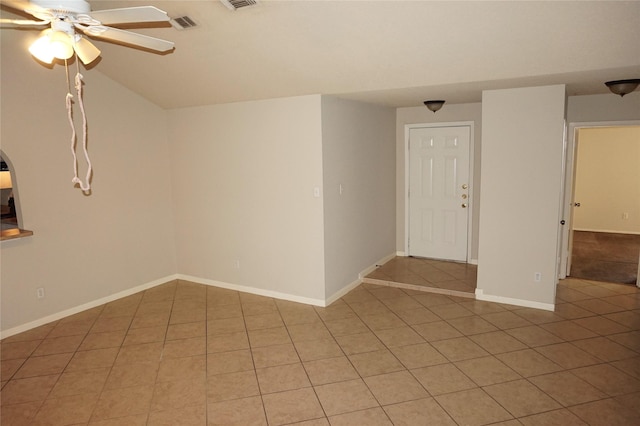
<point x="68" y="18"/>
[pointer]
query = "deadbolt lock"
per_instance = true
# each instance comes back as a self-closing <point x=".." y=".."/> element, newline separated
<point x="464" y="205"/>
<point x="464" y="196"/>
<point x="465" y="186"/>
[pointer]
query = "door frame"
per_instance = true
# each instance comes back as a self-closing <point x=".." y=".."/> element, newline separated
<point x="566" y="245"/>
<point x="407" y="130"/>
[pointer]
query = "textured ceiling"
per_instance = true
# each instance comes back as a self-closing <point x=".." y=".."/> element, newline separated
<point x="395" y="53"/>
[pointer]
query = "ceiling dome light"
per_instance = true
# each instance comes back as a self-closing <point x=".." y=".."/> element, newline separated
<point x="623" y="87"/>
<point x="434" y="105"/>
<point x="52" y="44"/>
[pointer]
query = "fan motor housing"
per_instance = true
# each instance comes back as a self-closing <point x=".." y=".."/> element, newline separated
<point x="77" y="6"/>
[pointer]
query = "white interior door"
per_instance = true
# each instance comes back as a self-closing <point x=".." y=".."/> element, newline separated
<point x="439" y="192"/>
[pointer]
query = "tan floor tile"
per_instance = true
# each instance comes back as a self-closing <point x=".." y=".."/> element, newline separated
<point x="150" y="320"/>
<point x="307" y="332"/>
<point x="402" y="336"/>
<point x="372" y="307"/>
<point x="58" y="345"/>
<point x="330" y="370"/>
<point x="146" y="352"/>
<point x="601" y="325"/>
<point x="630" y="366"/>
<point x="26" y="390"/>
<point x="9" y="367"/>
<point x="392" y="388"/>
<point x="345" y="327"/>
<point x="345" y="397"/>
<point x="420" y="412"/>
<point x="435" y="331"/>
<point x="227" y="342"/>
<point x="569" y="330"/>
<point x="13" y="350"/>
<point x="629" y="319"/>
<point x="401" y="303"/>
<point x="570" y="311"/>
<point x="188" y="368"/>
<point x="67" y="410"/>
<point x="269" y="356"/>
<point x="431" y="299"/>
<point x="567" y="355"/>
<point x="282" y="378"/>
<point x="268" y="320"/>
<point x="631" y="400"/>
<point x="224" y="387"/>
<point x="605" y="349"/>
<point x="179" y="394"/>
<point x="43" y="365"/>
<point x="224" y="311"/>
<point x="444" y="378"/>
<point x="608" y="379"/>
<point x="450" y="311"/>
<point x="417" y="316"/>
<point x="562" y="417"/>
<point x="538" y="316"/>
<point x="38" y="333"/>
<point x="187" y="330"/>
<point x="268" y="337"/>
<point x="529" y="363"/>
<point x="337" y="310"/>
<point x="123" y="402"/>
<point x="70" y="328"/>
<point x="96" y="358"/>
<point x="229" y="362"/>
<point x="630" y="339"/>
<point x="377" y="362"/>
<point x="104" y="324"/>
<point x="472" y="325"/>
<point x="498" y="342"/>
<point x="459" y="349"/>
<point x="188" y="416"/>
<point x="185" y="347"/>
<point x="292" y="406"/>
<point x="533" y="336"/>
<point x="299" y="316"/>
<point x="420" y="355"/>
<point x="506" y="320"/>
<point x="109" y="339"/>
<point x="19" y="414"/>
<point x="487" y="371"/>
<point x="521" y="398"/>
<point x="180" y="316"/>
<point x="80" y="382"/>
<point x="359" y="343"/>
<point x="606" y="412"/>
<point x="472" y="407"/>
<point x="566" y="388"/>
<point x="318" y="349"/>
<point x="136" y="336"/>
<point x="369" y="417"/>
<point x="128" y="375"/>
<point x="240" y="412"/>
<point x="598" y="306"/>
<point x="225" y="325"/>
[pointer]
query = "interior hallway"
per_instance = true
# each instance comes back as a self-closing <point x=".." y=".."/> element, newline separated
<point x="189" y="354"/>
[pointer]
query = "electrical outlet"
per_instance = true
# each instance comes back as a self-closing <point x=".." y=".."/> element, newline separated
<point x="625" y="215"/>
<point x="237" y="264"/>
<point x="40" y="293"/>
<point x="537" y="277"/>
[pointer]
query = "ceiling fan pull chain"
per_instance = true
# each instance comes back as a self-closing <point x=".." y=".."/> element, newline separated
<point x="86" y="187"/>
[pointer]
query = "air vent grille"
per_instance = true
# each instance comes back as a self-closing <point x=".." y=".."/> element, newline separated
<point x="238" y="4"/>
<point x="183" y="23"/>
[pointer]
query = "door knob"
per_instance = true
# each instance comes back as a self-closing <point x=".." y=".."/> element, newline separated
<point x="464" y="205"/>
<point x="464" y="196"/>
<point x="465" y="186"/>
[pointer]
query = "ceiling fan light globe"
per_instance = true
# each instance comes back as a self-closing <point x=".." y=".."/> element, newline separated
<point x="41" y="49"/>
<point x="61" y="45"/>
<point x="86" y="51"/>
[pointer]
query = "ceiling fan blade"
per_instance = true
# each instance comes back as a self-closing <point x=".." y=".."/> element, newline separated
<point x="16" y="4"/>
<point x="86" y="51"/>
<point x="127" y="37"/>
<point x="23" y="22"/>
<point x="130" y="15"/>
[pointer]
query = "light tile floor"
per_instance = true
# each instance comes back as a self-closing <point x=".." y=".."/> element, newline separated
<point x="188" y="354"/>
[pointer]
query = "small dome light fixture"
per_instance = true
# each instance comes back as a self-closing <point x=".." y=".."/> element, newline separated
<point x="434" y="105"/>
<point x="623" y="87"/>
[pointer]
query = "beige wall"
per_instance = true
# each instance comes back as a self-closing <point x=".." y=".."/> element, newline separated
<point x="358" y="150"/>
<point x="607" y="182"/>
<point x="244" y="176"/>
<point x="84" y="248"/>
<point x="448" y="114"/>
<point x="522" y="151"/>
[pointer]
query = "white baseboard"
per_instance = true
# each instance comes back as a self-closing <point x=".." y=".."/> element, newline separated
<point x="338" y="294"/>
<point x="473" y="262"/>
<point x="254" y="290"/>
<point x="77" y="309"/>
<point x="510" y="301"/>
<point x="373" y="267"/>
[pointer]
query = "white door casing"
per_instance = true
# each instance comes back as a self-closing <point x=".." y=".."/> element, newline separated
<point x="439" y="192"/>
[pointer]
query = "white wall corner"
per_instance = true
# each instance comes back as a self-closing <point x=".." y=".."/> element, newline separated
<point x="85" y="306"/>
<point x="338" y="294"/>
<point x="373" y="267"/>
<point x="510" y="301"/>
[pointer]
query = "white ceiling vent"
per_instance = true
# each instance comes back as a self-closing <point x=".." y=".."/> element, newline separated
<point x="182" y="23"/>
<point x="239" y="4"/>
